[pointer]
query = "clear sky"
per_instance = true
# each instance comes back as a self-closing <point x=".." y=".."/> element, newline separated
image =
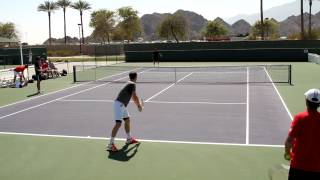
<point x="33" y="25"/>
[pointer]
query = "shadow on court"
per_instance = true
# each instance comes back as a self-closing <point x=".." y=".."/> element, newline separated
<point x="35" y="94"/>
<point x="125" y="153"/>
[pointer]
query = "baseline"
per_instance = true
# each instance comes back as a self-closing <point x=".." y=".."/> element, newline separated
<point x="142" y="140"/>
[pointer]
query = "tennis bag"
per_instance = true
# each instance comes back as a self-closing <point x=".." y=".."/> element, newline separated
<point x="64" y="72"/>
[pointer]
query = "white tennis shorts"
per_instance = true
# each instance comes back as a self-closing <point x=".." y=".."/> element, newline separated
<point x="17" y="73"/>
<point x="120" y="111"/>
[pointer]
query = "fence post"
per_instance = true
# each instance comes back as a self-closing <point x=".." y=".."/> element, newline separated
<point x="106" y="53"/>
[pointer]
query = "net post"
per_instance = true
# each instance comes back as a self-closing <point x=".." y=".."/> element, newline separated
<point x="74" y="74"/>
<point x="290" y="75"/>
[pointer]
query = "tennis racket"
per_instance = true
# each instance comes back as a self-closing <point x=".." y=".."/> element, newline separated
<point x="279" y="172"/>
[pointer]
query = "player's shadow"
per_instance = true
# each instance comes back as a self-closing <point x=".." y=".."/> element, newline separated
<point x="35" y="94"/>
<point x="125" y="153"/>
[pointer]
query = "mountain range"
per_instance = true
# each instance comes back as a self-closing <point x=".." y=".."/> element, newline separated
<point x="287" y="15"/>
<point x="279" y="13"/>
<point x="197" y="22"/>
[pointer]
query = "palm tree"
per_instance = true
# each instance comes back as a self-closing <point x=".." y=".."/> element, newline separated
<point x="81" y="6"/>
<point x="64" y="4"/>
<point x="310" y="6"/>
<point x="261" y="17"/>
<point x="48" y="7"/>
<point x="310" y="24"/>
<point x="302" y="21"/>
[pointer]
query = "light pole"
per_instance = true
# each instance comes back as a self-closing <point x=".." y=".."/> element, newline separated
<point x="79" y="25"/>
<point x="21" y="52"/>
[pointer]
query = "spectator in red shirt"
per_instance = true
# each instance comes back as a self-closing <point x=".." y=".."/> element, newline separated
<point x="19" y="71"/>
<point x="44" y="65"/>
<point x="302" y="145"/>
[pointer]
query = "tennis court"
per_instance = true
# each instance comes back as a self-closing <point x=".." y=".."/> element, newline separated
<point x="236" y="106"/>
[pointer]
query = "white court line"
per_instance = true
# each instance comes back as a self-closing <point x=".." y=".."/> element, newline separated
<point x="212" y="103"/>
<point x="157" y="94"/>
<point x="142" y="140"/>
<point x="163" y="72"/>
<point x="154" y="102"/>
<point x="85" y="90"/>
<point x="283" y="103"/>
<point x="247" y="111"/>
<point x="32" y="107"/>
<point x="29" y="99"/>
<point x="84" y="100"/>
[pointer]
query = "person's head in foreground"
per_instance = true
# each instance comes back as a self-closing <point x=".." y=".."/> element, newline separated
<point x="133" y="76"/>
<point x="312" y="99"/>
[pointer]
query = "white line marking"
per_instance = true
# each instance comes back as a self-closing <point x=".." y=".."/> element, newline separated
<point x="185" y="77"/>
<point x="164" y="72"/>
<point x="155" y="102"/>
<point x="85" y="90"/>
<point x="142" y="140"/>
<point x="84" y="100"/>
<point x="32" y="107"/>
<point x="54" y="92"/>
<point x="41" y="96"/>
<point x="248" y="112"/>
<point x="157" y="94"/>
<point x="213" y="103"/>
<point x="283" y="103"/>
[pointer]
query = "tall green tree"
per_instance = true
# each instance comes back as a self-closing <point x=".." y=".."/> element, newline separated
<point x="130" y="24"/>
<point x="261" y="20"/>
<point x="117" y="34"/>
<point x="173" y="26"/>
<point x="64" y="4"/>
<point x="270" y="27"/>
<point x="215" y="28"/>
<point x="49" y="7"/>
<point x="103" y="23"/>
<point x="8" y="30"/>
<point x="81" y="6"/>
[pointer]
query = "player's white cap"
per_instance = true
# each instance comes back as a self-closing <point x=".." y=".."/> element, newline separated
<point x="313" y="95"/>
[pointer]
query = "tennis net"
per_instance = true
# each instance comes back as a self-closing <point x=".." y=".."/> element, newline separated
<point x="206" y="75"/>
